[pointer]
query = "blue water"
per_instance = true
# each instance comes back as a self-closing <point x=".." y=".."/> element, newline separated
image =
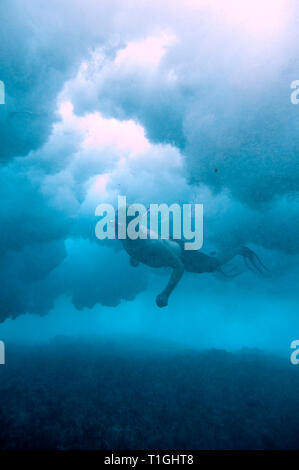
<point x="161" y="102"/>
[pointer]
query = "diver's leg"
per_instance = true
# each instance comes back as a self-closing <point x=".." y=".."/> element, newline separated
<point x="250" y="258"/>
<point x="198" y="262"/>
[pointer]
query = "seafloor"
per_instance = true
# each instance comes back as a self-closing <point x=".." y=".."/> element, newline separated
<point x="104" y="395"/>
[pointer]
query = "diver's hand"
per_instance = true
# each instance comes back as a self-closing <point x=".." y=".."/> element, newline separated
<point x="134" y="262"/>
<point x="162" y="300"/>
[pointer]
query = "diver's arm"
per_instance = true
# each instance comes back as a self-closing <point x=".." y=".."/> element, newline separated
<point x="178" y="271"/>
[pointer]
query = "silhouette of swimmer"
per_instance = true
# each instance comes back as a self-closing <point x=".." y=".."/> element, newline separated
<point x="158" y="253"/>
